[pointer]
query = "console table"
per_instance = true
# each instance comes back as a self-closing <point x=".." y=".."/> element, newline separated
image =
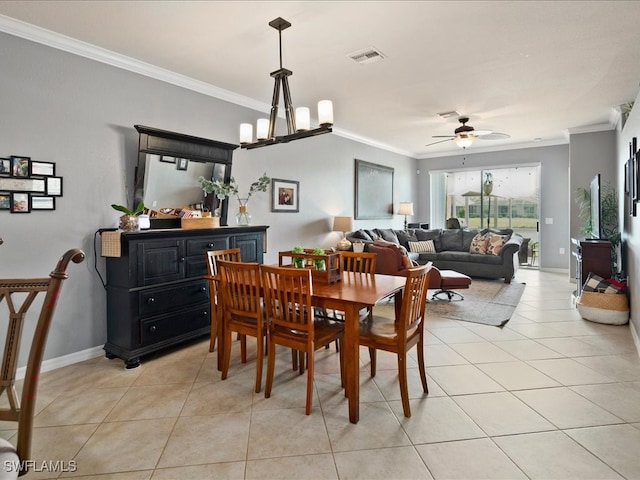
<point x="156" y="294"/>
<point x="591" y="256"/>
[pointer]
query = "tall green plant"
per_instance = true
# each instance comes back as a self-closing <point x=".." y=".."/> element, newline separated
<point x="608" y="217"/>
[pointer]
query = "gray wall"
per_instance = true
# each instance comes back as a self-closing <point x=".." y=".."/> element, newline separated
<point x="631" y="225"/>
<point x="554" y="198"/>
<point x="590" y="154"/>
<point x="78" y="113"/>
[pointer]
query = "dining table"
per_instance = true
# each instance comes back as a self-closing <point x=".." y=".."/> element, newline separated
<point x="353" y="292"/>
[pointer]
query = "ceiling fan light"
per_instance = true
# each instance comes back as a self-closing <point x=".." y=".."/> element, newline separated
<point x="464" y="141"/>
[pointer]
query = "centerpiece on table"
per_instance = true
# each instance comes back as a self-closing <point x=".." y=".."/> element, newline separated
<point x="129" y="219"/>
<point x="223" y="190"/>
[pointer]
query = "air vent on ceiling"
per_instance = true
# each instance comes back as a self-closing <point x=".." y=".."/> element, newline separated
<point x="367" y="55"/>
<point x="451" y="114"/>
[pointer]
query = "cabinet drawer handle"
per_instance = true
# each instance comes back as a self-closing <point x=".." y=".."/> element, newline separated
<point x="203" y="289"/>
<point x="181" y="259"/>
<point x="153" y="328"/>
<point x="204" y="313"/>
<point x="210" y="246"/>
<point x="150" y="300"/>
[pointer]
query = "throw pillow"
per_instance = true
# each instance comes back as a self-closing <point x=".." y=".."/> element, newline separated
<point x="426" y="246"/>
<point x="496" y="242"/>
<point x="362" y="235"/>
<point x="388" y="235"/>
<point x="479" y="244"/>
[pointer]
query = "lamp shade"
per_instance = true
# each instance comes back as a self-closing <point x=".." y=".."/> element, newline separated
<point x="405" y="208"/>
<point x="342" y="224"/>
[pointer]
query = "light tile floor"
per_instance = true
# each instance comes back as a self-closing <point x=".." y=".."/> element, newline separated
<point x="549" y="396"/>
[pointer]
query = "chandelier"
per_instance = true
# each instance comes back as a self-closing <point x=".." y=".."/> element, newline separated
<point x="298" y="124"/>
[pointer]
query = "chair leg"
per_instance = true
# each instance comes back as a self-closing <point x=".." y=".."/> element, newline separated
<point x="259" y="360"/>
<point x="294" y="359"/>
<point x="301" y="361"/>
<point x="271" y="363"/>
<point x="372" y="356"/>
<point x="243" y="348"/>
<point x="423" y="375"/>
<point x="309" y="356"/>
<point x="227" y="354"/>
<point x="214" y="330"/>
<point x="404" y="387"/>
<point x="341" y="353"/>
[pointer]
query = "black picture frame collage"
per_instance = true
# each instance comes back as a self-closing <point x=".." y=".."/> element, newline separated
<point x="632" y="177"/>
<point x="28" y="185"/>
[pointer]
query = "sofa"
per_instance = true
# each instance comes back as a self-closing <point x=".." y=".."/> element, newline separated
<point x="483" y="253"/>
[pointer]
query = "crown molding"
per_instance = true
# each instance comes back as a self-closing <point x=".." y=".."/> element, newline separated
<point x="599" y="127"/>
<point x="473" y="150"/>
<point x="83" y="49"/>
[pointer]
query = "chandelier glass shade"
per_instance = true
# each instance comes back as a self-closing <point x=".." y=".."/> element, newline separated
<point x="298" y="121"/>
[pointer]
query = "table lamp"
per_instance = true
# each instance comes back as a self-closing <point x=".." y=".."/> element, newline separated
<point x="405" y="208"/>
<point x="343" y="224"/>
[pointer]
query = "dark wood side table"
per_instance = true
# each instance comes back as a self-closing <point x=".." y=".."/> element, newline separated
<point x="592" y="256"/>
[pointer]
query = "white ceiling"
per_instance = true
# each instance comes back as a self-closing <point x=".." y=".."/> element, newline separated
<point x="531" y="69"/>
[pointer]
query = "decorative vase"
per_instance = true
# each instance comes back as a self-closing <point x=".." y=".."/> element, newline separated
<point x="217" y="212"/>
<point x="129" y="223"/>
<point x="243" y="217"/>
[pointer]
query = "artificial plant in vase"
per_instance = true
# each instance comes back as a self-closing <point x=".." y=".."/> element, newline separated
<point x="223" y="190"/>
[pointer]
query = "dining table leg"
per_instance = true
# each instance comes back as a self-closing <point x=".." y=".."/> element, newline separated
<point x="352" y="360"/>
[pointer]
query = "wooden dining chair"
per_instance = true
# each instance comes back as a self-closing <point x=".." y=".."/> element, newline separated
<point x="230" y="254"/>
<point x="398" y="335"/>
<point x="15" y="460"/>
<point x="241" y="288"/>
<point x="362" y="262"/>
<point x="291" y="322"/>
<point x="357" y="262"/>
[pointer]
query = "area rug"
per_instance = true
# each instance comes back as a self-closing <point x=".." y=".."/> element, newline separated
<point x="489" y="302"/>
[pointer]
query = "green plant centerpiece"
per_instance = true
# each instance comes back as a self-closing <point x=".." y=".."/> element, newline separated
<point x="298" y="262"/>
<point x="608" y="217"/>
<point x="319" y="264"/>
<point x="223" y="190"/>
<point x="129" y="221"/>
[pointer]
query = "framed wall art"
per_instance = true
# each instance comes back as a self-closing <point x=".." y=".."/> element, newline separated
<point x="5" y="166"/>
<point x="182" y="163"/>
<point x="285" y="195"/>
<point x="20" y="166"/>
<point x="43" y="203"/>
<point x="42" y="169"/>
<point x="374" y="191"/>
<point x="5" y="201"/>
<point x="20" y="203"/>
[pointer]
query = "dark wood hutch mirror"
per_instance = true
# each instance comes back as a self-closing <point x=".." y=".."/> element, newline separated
<point x="169" y="165"/>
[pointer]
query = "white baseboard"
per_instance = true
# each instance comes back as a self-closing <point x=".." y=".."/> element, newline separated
<point x="65" y="360"/>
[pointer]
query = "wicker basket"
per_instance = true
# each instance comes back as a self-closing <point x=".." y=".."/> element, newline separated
<point x="609" y="308"/>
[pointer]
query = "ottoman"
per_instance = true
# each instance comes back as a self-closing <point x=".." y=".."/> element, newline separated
<point x="449" y="281"/>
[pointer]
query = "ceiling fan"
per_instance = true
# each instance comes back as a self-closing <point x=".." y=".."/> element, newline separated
<point x="465" y="135"/>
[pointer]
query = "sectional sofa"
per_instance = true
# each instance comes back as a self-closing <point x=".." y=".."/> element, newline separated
<point x="485" y="253"/>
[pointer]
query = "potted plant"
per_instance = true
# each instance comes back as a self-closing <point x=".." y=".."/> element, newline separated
<point x="298" y="262"/>
<point x="608" y="217"/>
<point x="129" y="221"/>
<point x="319" y="264"/>
<point x="223" y="190"/>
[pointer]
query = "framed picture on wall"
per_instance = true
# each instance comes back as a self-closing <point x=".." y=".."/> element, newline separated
<point x="5" y="166"/>
<point x="5" y="201"/>
<point x="374" y="191"/>
<point x="182" y="163"/>
<point x="43" y="203"/>
<point x="20" y="166"/>
<point x="285" y="195"/>
<point x="42" y="169"/>
<point x="20" y="203"/>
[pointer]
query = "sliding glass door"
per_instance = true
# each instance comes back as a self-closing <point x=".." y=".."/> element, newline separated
<point x="492" y="198"/>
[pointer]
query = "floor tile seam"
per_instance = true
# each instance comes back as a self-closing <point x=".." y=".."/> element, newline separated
<point x="559" y="427"/>
<point x="572" y="388"/>
<point x="594" y="454"/>
<point x="580" y="364"/>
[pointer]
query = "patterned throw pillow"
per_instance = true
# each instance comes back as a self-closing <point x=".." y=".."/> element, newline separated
<point x="496" y="242"/>
<point x="426" y="246"/>
<point x="479" y="244"/>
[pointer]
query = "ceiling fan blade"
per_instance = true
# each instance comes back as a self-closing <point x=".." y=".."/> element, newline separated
<point x="494" y="136"/>
<point x="443" y="136"/>
<point x="439" y="141"/>
<point x="482" y="133"/>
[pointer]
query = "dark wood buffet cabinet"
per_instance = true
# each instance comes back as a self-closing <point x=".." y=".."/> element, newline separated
<point x="156" y="294"/>
<point x="592" y="256"/>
